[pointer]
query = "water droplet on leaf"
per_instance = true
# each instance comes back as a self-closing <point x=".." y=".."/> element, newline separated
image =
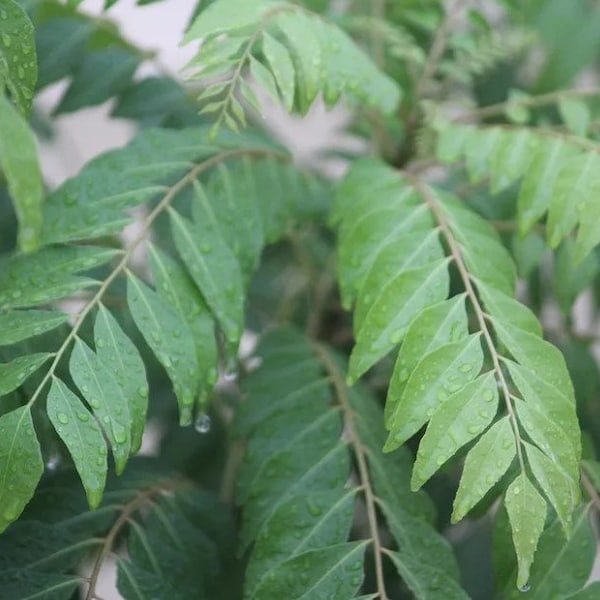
<point x="203" y="423"/>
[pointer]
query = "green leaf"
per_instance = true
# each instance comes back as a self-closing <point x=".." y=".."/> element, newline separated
<point x="539" y="182"/>
<point x="176" y="287"/>
<point x="121" y="357"/>
<point x="527" y="515"/>
<point x="15" y="372"/>
<point x="485" y="464"/>
<point x="87" y="89"/>
<point x="332" y="572"/>
<point x="102" y="392"/>
<point x="461" y="418"/>
<point x="280" y="62"/>
<point x="38" y="278"/>
<point x="166" y="332"/>
<point x="83" y="437"/>
<point x="575" y="114"/>
<point x="435" y="326"/>
<point x="19" y="162"/>
<point x="264" y="77"/>
<point x="590" y="592"/>
<point x="21" y="464"/>
<point x="18" y="66"/>
<point x="388" y="318"/>
<point x="444" y="371"/>
<point x="16" y="326"/>
<point x="571" y="278"/>
<point x="557" y="485"/>
<point x="212" y="265"/>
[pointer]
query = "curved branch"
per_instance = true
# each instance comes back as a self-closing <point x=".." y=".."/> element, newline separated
<point x="121" y="266"/>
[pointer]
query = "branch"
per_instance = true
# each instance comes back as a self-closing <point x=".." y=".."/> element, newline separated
<point x="142" y="498"/>
<point x="121" y="266"/>
<point x="480" y="314"/>
<point x="360" y="452"/>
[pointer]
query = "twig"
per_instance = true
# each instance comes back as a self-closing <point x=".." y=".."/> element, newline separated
<point x="341" y="391"/>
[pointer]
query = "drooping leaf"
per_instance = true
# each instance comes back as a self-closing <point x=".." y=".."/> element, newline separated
<point x="19" y="163"/>
<point x="166" y="332"/>
<point x="18" y="65"/>
<point x="120" y="356"/>
<point x="83" y="437"/>
<point x="527" y="515"/>
<point x="99" y="387"/>
<point x="21" y="464"/>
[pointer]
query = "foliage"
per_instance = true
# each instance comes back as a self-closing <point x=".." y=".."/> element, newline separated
<point x="414" y="419"/>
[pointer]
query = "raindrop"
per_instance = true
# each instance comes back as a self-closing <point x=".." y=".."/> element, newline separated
<point x="525" y="587"/>
<point x="203" y="423"/>
<point x="63" y="418"/>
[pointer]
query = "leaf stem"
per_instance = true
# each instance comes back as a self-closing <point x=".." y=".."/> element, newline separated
<point x="142" y="498"/>
<point x="122" y="264"/>
<point x="498" y="109"/>
<point x="360" y="452"/>
<point x="480" y="315"/>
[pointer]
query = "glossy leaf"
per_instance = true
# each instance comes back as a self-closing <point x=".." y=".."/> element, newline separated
<point x="166" y="332"/>
<point x="118" y="353"/>
<point x="527" y="515"/>
<point x="98" y="385"/>
<point x="15" y="372"/>
<point x="487" y="461"/>
<point x="82" y="436"/>
<point x="21" y="464"/>
<point x="18" y="65"/>
<point x="19" y="163"/>
<point x="16" y="326"/>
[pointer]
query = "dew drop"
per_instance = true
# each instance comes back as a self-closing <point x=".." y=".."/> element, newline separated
<point x="203" y="423"/>
<point x="525" y="587"/>
<point x="473" y="429"/>
<point x="83" y="417"/>
<point x="62" y="418"/>
<point x="143" y="391"/>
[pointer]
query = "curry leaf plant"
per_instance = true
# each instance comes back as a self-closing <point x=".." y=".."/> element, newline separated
<point x="235" y="374"/>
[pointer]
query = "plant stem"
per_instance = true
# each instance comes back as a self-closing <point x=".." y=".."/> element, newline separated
<point x="360" y="452"/>
<point x="480" y="315"/>
<point x="122" y="264"/>
<point x="494" y="110"/>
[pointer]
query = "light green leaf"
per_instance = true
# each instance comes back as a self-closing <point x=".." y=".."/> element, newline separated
<point x="282" y="67"/>
<point x="387" y="321"/>
<point x="460" y="419"/>
<point x="486" y="462"/>
<point x="510" y="158"/>
<point x="121" y="357"/>
<point x="559" y="487"/>
<point x="16" y="326"/>
<point x="437" y="325"/>
<point x="571" y="277"/>
<point x="527" y="515"/>
<point x="166" y="332"/>
<point x="98" y="386"/>
<point x="21" y="464"/>
<point x="175" y="286"/>
<point x="226" y="15"/>
<point x="19" y="162"/>
<point x="439" y="374"/>
<point x="575" y="114"/>
<point x="539" y="182"/>
<point x="212" y="265"/>
<point x="579" y="180"/>
<point x="18" y="66"/>
<point x="263" y="76"/>
<point x="82" y="435"/>
<point x="15" y="372"/>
